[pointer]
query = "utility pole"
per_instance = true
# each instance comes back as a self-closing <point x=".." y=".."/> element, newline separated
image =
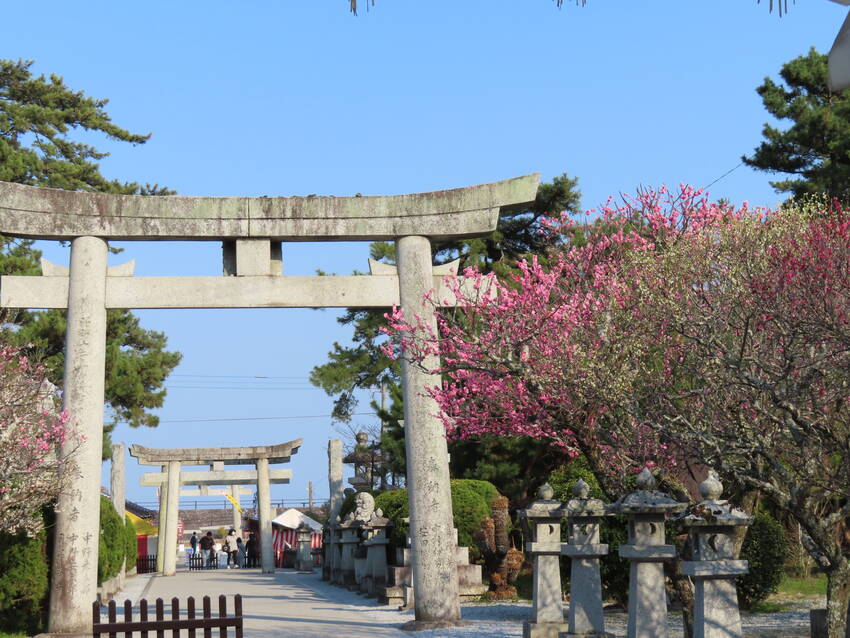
<point x="381" y="468"/>
<point x="310" y="494"/>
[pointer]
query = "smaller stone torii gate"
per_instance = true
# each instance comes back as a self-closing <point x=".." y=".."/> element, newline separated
<point x="251" y="230"/>
<point x="171" y="479"/>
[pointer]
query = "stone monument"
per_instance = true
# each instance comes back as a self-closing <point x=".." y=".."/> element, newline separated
<point x="329" y="547"/>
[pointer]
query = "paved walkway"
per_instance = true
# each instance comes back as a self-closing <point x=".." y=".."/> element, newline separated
<point x="285" y="603"/>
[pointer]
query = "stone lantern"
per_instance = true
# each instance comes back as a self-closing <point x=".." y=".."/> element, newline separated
<point x="544" y="523"/>
<point x="583" y="516"/>
<point x="375" y="543"/>
<point x="712" y="526"/>
<point x="646" y="552"/>
<point x="303" y="557"/>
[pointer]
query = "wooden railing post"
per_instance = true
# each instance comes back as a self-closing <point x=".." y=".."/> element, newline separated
<point x="190" y="613"/>
<point x="160" y="615"/>
<point x="143" y="615"/>
<point x="207" y="614"/>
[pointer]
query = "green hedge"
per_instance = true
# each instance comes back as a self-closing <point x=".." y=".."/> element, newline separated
<point x="112" y="544"/>
<point x="23" y="582"/>
<point x="766" y="550"/>
<point x="131" y="545"/>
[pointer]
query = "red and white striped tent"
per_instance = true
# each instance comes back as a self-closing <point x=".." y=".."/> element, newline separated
<point x="284" y="538"/>
<point x="284" y="528"/>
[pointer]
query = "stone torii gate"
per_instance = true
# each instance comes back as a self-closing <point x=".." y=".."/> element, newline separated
<point x="171" y="460"/>
<point x="250" y="230"/>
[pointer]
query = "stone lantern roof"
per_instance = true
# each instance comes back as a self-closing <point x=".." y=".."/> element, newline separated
<point x="646" y="500"/>
<point x="712" y="511"/>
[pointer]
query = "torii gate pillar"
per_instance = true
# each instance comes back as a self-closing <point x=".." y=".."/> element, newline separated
<point x="78" y="531"/>
<point x="429" y="490"/>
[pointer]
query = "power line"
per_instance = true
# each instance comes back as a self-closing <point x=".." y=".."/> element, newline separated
<point x="731" y="170"/>
<point x="225" y="387"/>
<point x="262" y="418"/>
<point x="235" y="376"/>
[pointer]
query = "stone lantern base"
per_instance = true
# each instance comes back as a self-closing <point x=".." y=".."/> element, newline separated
<point x="544" y="629"/>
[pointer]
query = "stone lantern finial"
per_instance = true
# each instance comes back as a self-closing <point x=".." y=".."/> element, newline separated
<point x="645" y="480"/>
<point x="581" y="489"/>
<point x="546" y="492"/>
<point x="711" y="488"/>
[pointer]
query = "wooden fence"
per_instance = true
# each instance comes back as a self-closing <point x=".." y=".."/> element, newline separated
<point x="196" y="561"/>
<point x="160" y="624"/>
<point x="146" y="564"/>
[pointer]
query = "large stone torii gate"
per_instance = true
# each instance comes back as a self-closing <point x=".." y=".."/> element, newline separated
<point x="250" y="230"/>
<point x="171" y="479"/>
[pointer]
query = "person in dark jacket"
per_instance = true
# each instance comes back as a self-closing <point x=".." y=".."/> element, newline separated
<point x="251" y="550"/>
<point x="207" y="543"/>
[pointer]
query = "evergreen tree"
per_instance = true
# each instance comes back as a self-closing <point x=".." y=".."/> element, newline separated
<point x="815" y="148"/>
<point x="363" y="366"/>
<point x="37" y="116"/>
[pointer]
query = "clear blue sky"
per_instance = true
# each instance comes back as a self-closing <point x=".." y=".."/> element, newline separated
<point x="298" y="97"/>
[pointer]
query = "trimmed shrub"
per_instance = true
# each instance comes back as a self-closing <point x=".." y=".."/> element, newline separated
<point x="23" y="582"/>
<point x="131" y="543"/>
<point x="395" y="507"/>
<point x="486" y="489"/>
<point x="766" y="550"/>
<point x="112" y="542"/>
<point x="469" y="509"/>
<point x="468" y="505"/>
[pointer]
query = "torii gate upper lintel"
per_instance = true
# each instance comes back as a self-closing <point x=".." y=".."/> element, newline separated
<point x="250" y="230"/>
<point x="45" y="213"/>
<point x="243" y="455"/>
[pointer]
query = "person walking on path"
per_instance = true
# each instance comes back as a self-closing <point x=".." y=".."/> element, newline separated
<point x="206" y="544"/>
<point x="193" y="543"/>
<point x="240" y="551"/>
<point x="231" y="548"/>
<point x="251" y="550"/>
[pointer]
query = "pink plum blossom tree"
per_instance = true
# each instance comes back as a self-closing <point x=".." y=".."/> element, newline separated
<point x="31" y="432"/>
<point x="681" y="329"/>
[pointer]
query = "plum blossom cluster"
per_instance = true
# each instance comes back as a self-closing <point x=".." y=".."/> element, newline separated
<point x="549" y="352"/>
<point x="32" y="432"/>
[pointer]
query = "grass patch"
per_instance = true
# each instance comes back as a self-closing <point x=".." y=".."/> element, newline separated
<point x="803" y="587"/>
<point x="767" y="607"/>
<point x="5" y="635"/>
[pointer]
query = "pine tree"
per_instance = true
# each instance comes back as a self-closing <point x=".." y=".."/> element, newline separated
<point x="363" y="366"/>
<point x="37" y="117"/>
<point x="815" y="148"/>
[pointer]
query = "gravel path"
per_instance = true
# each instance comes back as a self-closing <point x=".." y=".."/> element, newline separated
<point x="505" y="619"/>
<point x="302" y="606"/>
